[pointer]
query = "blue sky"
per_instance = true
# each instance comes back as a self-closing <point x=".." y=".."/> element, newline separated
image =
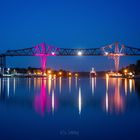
<point x="69" y="24"/>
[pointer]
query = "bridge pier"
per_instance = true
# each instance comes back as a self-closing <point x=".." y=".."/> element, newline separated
<point x="116" y="61"/>
<point x="43" y="63"/>
<point x="2" y="64"/>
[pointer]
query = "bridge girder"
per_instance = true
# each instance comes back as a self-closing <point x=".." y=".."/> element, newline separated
<point x="48" y="50"/>
<point x="43" y="50"/>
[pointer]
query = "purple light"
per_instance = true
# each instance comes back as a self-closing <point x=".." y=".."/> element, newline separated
<point x="43" y="101"/>
<point x="43" y="50"/>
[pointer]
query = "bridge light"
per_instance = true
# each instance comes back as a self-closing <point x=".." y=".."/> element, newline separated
<point x="79" y="53"/>
<point x="53" y="53"/>
<point x="106" y="53"/>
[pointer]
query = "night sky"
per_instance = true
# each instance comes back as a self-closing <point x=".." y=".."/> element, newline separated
<point x="69" y="24"/>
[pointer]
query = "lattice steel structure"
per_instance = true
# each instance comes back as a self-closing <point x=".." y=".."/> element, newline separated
<point x="43" y="50"/>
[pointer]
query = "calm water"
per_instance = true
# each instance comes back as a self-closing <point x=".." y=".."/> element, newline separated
<point x="97" y="108"/>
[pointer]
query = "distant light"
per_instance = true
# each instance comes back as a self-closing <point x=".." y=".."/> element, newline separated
<point x="49" y="71"/>
<point x="130" y="73"/>
<point x="106" y="53"/>
<point x="60" y="73"/>
<point x="125" y="71"/>
<point x="44" y="74"/>
<point x="50" y="77"/>
<point x="70" y="73"/>
<point x="53" y="53"/>
<point x="79" y="53"/>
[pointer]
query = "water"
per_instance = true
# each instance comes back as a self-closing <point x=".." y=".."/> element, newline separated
<point x="96" y="108"/>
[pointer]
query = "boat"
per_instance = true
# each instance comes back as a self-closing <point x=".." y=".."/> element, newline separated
<point x="92" y="73"/>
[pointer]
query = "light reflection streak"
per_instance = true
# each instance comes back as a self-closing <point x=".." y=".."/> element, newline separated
<point x="38" y="81"/>
<point x="95" y="81"/>
<point x="130" y="85"/>
<point x="118" y="99"/>
<point x="114" y="102"/>
<point x="60" y="84"/>
<point x="79" y="101"/>
<point x="40" y="100"/>
<point x="69" y="84"/>
<point x="54" y="83"/>
<point x="8" y="86"/>
<point x="44" y="102"/>
<point x="35" y="81"/>
<point x="53" y="101"/>
<point x="106" y="98"/>
<point x="14" y="85"/>
<point x="49" y="83"/>
<point x="133" y="84"/>
<point x="125" y="86"/>
<point x="76" y="82"/>
<point x="93" y="84"/>
<point x="29" y="80"/>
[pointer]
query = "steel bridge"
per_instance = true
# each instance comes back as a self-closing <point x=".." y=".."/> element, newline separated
<point x="43" y="50"/>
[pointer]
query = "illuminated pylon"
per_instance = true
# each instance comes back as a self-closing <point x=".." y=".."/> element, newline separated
<point x="43" y="63"/>
<point x="116" y="62"/>
<point x="116" y="57"/>
<point x="113" y="51"/>
<point x="43" y="50"/>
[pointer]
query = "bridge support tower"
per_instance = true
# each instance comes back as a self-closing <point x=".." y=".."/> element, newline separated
<point x="2" y="64"/>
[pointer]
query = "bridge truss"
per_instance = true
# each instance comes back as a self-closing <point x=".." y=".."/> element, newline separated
<point x="114" y="51"/>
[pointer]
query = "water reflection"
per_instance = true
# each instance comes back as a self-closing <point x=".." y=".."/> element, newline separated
<point x="60" y="84"/>
<point x="76" y="82"/>
<point x="49" y="83"/>
<point x="54" y="83"/>
<point x="79" y="101"/>
<point x="106" y="98"/>
<point x="125" y="86"/>
<point x="130" y="85"/>
<point x="93" y="84"/>
<point x="53" y="101"/>
<point x="45" y="93"/>
<point x="43" y="101"/>
<point x="8" y="86"/>
<point x="69" y="84"/>
<point x="14" y="85"/>
<point x="114" y="102"/>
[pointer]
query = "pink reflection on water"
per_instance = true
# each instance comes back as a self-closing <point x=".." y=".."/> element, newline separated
<point x="43" y="102"/>
<point x="114" y="102"/>
<point x="43" y="50"/>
